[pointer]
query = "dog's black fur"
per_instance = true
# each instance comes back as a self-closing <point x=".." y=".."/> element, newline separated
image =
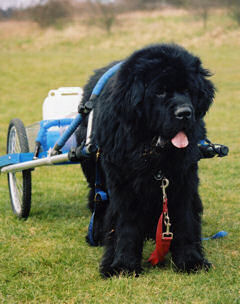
<point x="135" y="118"/>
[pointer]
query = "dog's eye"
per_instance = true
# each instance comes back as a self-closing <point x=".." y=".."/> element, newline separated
<point x="161" y="94"/>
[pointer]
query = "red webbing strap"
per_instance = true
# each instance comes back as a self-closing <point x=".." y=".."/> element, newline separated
<point x="163" y="239"/>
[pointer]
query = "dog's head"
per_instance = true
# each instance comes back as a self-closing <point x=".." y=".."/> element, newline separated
<point x="164" y="93"/>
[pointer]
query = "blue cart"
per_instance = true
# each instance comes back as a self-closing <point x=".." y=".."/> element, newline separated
<point x="49" y="142"/>
<point x="32" y="146"/>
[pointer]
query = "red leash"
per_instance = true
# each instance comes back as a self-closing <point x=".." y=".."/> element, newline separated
<point x="163" y="239"/>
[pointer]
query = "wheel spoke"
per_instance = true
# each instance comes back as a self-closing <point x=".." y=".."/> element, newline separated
<point x="17" y="146"/>
<point x="19" y="182"/>
<point x="16" y="197"/>
<point x="15" y="179"/>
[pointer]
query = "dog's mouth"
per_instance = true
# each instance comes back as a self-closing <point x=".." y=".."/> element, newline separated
<point x="180" y="141"/>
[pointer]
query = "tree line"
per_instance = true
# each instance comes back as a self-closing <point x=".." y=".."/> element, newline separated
<point x="58" y="13"/>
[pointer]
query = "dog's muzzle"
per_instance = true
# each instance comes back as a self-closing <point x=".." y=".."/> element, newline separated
<point x="183" y="112"/>
<point x="182" y="107"/>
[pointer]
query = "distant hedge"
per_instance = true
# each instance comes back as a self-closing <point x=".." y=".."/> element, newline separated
<point x="54" y="13"/>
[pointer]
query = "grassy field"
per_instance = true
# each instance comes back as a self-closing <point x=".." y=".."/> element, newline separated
<point x="45" y="259"/>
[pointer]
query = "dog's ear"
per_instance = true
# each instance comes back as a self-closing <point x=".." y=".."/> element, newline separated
<point x="129" y="89"/>
<point x="122" y="118"/>
<point x="206" y="91"/>
<point x="136" y="91"/>
<point x="129" y="95"/>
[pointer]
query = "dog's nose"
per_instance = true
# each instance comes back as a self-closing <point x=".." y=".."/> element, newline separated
<point x="183" y="112"/>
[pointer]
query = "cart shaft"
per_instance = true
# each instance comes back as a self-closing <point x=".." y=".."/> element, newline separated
<point x="46" y="161"/>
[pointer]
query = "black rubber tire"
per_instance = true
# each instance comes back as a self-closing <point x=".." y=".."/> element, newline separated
<point x="19" y="183"/>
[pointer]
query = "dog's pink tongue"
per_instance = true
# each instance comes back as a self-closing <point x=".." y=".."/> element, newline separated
<point x="180" y="140"/>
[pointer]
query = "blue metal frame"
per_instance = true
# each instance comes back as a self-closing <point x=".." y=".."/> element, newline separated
<point x="45" y="125"/>
<point x="70" y="130"/>
<point x="17" y="158"/>
<point x="104" y="79"/>
<point x="10" y="159"/>
<point x="96" y="92"/>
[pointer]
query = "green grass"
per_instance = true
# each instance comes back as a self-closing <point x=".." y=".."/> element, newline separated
<point x="45" y="259"/>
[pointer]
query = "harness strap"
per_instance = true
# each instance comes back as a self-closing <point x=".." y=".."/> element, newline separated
<point x="90" y="231"/>
<point x="100" y="197"/>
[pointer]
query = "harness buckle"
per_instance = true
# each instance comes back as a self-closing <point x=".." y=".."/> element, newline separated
<point x="167" y="236"/>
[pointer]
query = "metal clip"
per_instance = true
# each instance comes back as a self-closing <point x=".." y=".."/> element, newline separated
<point x="165" y="183"/>
<point x="167" y="234"/>
<point x="166" y="219"/>
<point x="98" y="154"/>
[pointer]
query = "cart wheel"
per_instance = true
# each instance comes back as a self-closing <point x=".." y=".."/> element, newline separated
<point x="19" y="183"/>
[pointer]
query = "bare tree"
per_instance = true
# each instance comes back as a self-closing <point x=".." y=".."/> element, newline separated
<point x="52" y="13"/>
<point x="234" y="9"/>
<point x="104" y="14"/>
<point x="201" y="8"/>
<point x="149" y="4"/>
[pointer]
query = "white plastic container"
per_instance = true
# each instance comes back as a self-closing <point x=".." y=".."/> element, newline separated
<point x="62" y="103"/>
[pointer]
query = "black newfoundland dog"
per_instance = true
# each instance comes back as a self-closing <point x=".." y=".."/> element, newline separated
<point x="147" y="123"/>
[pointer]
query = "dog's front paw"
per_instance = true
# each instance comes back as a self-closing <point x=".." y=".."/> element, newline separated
<point x="190" y="261"/>
<point x="106" y="271"/>
<point x="120" y="267"/>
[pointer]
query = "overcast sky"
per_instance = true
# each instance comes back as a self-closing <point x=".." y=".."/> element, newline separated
<point x="5" y="4"/>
